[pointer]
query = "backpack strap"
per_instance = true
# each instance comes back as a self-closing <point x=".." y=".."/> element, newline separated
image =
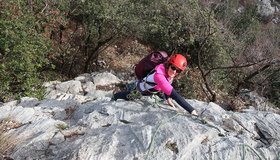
<point x="146" y="82"/>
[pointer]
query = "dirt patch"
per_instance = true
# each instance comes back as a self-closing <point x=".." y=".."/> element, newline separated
<point x="123" y="56"/>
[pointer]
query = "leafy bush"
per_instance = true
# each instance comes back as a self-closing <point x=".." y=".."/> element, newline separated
<point x="222" y="40"/>
<point x="22" y="54"/>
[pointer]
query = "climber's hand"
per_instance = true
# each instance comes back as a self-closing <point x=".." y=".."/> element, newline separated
<point x="170" y="103"/>
<point x="194" y="113"/>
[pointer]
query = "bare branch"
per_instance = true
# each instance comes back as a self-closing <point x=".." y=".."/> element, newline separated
<point x="234" y="66"/>
<point x="46" y="5"/>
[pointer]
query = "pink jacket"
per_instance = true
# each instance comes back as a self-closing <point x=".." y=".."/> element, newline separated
<point x="162" y="80"/>
<point x="159" y="80"/>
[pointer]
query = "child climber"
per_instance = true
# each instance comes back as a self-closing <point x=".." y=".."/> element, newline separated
<point x="160" y="79"/>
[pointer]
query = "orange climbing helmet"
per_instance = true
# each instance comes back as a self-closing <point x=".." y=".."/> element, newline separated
<point x="178" y="61"/>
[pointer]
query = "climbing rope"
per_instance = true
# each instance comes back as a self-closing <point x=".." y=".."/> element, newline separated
<point x="252" y="149"/>
<point x="158" y="103"/>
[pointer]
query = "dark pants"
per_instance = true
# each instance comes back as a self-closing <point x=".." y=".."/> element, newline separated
<point x="174" y="95"/>
<point x="121" y="95"/>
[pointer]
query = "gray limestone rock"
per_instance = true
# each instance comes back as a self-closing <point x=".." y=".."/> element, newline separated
<point x="74" y="126"/>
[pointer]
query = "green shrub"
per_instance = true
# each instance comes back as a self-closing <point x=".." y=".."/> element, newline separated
<point x="23" y="53"/>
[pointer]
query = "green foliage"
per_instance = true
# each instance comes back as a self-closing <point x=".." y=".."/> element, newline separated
<point x="22" y="54"/>
<point x="224" y="34"/>
<point x="98" y="16"/>
<point x="256" y="42"/>
<point x="225" y="9"/>
<point x="186" y="87"/>
<point x="246" y="23"/>
<point x="100" y="24"/>
<point x="168" y="24"/>
<point x="274" y="89"/>
<point x="241" y="21"/>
